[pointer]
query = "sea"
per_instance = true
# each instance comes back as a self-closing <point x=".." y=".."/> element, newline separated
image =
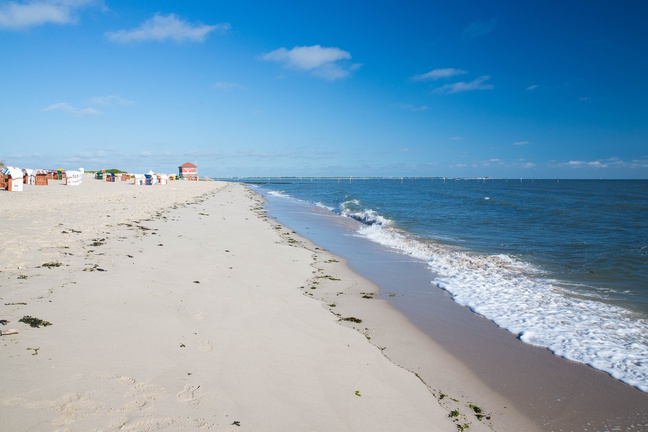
<point x="561" y="264"/>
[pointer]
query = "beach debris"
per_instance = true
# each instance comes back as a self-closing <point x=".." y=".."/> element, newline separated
<point x="329" y="277"/>
<point x="94" y="268"/>
<point x="8" y="332"/>
<point x="98" y="242"/>
<point x="4" y="322"/>
<point x="357" y="393"/>
<point x="23" y="277"/>
<point x="33" y="349"/>
<point x="352" y="319"/>
<point x="16" y="304"/>
<point x="71" y="231"/>
<point x="52" y="264"/>
<point x="479" y="413"/>
<point x="34" y="322"/>
<point x="236" y="423"/>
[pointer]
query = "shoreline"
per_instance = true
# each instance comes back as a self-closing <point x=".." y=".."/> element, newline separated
<point x="187" y="306"/>
<point x="555" y="393"/>
<point x="180" y="307"/>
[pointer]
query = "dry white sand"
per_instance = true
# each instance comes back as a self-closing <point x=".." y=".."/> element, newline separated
<point x="183" y="307"/>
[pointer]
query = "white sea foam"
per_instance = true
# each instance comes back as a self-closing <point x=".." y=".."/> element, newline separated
<point x="324" y="206"/>
<point x="517" y="297"/>
<point x="354" y="210"/>
<point x="278" y="194"/>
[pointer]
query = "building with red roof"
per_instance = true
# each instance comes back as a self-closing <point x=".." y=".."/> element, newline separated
<point x="188" y="171"/>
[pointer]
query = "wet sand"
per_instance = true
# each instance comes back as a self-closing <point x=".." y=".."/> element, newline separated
<point x="553" y="393"/>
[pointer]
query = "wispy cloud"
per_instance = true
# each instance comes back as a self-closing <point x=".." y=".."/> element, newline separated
<point x="477" y="29"/>
<point x="463" y="86"/>
<point x="639" y="163"/>
<point x="612" y="162"/>
<point x="585" y="164"/>
<point x="22" y="15"/>
<point x="110" y="100"/>
<point x="324" y="62"/>
<point x="410" y="107"/>
<point x="436" y="74"/>
<point x="532" y="87"/>
<point x="161" y="28"/>
<point x="521" y="163"/>
<point x="223" y="85"/>
<point x="520" y="143"/>
<point x="104" y="101"/>
<point x="66" y="107"/>
<point x="498" y="163"/>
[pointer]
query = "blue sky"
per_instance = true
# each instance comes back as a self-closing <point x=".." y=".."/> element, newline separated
<point x="550" y="89"/>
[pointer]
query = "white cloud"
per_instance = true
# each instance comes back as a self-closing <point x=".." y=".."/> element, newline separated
<point x="532" y="87"/>
<point x="66" y="107"/>
<point x="111" y="100"/>
<point x="324" y="62"/>
<point x="611" y="163"/>
<point x="105" y="101"/>
<point x="166" y="27"/>
<point x="586" y="164"/>
<point x="15" y="15"/>
<point x="520" y="143"/>
<point x="438" y="74"/>
<point x="639" y="163"/>
<point x="462" y="86"/>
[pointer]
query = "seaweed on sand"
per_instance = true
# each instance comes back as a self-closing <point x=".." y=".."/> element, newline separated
<point x="34" y="322"/>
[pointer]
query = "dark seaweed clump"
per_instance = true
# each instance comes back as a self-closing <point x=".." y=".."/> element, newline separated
<point x="34" y="322"/>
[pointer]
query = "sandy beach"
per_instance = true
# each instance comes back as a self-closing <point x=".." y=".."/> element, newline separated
<point x="185" y="307"/>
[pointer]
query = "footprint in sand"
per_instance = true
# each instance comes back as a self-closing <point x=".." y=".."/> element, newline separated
<point x="188" y="395"/>
<point x="125" y="380"/>
<point x="205" y="346"/>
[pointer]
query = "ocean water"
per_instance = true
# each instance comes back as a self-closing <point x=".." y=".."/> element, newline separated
<point x="562" y="264"/>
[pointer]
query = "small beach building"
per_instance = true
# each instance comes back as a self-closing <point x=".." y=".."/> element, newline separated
<point x="188" y="171"/>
